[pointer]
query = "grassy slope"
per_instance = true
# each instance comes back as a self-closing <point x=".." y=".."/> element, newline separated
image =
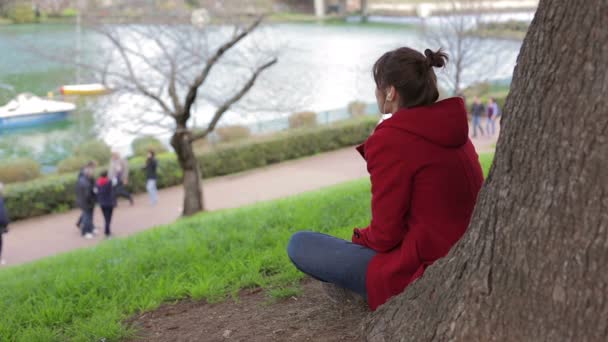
<point x="84" y="295"/>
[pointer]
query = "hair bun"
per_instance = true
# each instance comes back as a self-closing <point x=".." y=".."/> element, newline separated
<point x="436" y="59"/>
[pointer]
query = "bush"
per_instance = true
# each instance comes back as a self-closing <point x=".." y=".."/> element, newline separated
<point x="357" y="108"/>
<point x="95" y="150"/>
<point x="232" y="133"/>
<point x="19" y="170"/>
<point x="71" y="164"/>
<point x="69" y="13"/>
<point x="56" y="193"/>
<point x="303" y="119"/>
<point x="142" y="145"/>
<point x="22" y="14"/>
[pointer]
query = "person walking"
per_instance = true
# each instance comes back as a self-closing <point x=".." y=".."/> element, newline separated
<point x="151" y="169"/>
<point x="85" y="200"/>
<point x="4" y="221"/>
<point x="106" y="200"/>
<point x="491" y="123"/>
<point x="119" y="175"/>
<point x="91" y="164"/>
<point x="477" y="110"/>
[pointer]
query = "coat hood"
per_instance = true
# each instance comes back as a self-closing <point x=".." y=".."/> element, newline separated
<point x="443" y="123"/>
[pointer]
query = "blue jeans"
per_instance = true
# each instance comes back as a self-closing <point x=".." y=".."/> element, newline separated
<point x="152" y="191"/>
<point x="331" y="260"/>
<point x="476" y="125"/>
<point x="491" y="127"/>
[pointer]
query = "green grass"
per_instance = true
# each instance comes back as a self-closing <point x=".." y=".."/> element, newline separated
<point x="85" y="295"/>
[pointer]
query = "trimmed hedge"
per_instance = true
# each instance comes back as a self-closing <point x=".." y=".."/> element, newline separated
<point x="56" y="193"/>
<point x="19" y="170"/>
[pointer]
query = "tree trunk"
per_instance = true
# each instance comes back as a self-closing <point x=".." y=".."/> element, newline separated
<point x="193" y="193"/>
<point x="532" y="266"/>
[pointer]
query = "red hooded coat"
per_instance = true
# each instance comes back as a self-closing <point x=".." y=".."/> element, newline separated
<point x="425" y="177"/>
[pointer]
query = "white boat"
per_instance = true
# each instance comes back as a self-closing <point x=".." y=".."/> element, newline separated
<point x="30" y="110"/>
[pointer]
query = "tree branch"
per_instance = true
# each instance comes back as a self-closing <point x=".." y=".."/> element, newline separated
<point x="123" y="52"/>
<point x="191" y="96"/>
<point x="223" y="108"/>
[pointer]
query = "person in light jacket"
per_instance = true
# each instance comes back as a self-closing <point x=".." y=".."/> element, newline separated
<point x="119" y="175"/>
<point x="151" y="170"/>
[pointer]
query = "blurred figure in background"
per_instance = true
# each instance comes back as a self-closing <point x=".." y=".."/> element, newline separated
<point x="119" y="175"/>
<point x="85" y="200"/>
<point x="477" y="110"/>
<point x="151" y="168"/>
<point x="92" y="164"/>
<point x="491" y="123"/>
<point x="106" y="200"/>
<point x="4" y="221"/>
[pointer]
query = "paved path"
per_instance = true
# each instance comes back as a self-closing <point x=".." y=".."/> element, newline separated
<point x="52" y="234"/>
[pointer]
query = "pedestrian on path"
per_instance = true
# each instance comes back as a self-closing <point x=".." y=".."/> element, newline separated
<point x="106" y="200"/>
<point x="92" y="164"/>
<point x="119" y="174"/>
<point x="491" y="123"/>
<point x="151" y="168"/>
<point x="491" y="116"/>
<point x="477" y="110"/>
<point x="425" y="177"/>
<point x="4" y="221"/>
<point x="85" y="200"/>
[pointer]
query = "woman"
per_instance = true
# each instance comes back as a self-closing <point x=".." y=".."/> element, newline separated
<point x="4" y="221"/>
<point x="425" y="177"/>
<point x="106" y="200"/>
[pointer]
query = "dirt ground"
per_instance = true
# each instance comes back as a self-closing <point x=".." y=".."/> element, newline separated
<point x="309" y="316"/>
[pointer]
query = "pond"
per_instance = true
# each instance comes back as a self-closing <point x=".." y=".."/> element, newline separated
<point x="321" y="67"/>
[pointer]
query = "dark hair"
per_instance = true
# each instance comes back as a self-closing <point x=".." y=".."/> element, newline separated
<point x="103" y="173"/>
<point x="91" y="163"/>
<point x="411" y="73"/>
<point x="152" y="153"/>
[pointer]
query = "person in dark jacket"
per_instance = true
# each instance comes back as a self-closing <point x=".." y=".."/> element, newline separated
<point x="4" y="221"/>
<point x="477" y="111"/>
<point x="151" y="167"/>
<point x="106" y="200"/>
<point x="92" y="164"/>
<point x="85" y="200"/>
<point x="425" y="177"/>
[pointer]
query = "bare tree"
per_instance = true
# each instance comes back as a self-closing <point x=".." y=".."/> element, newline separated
<point x="169" y="65"/>
<point x="531" y="266"/>
<point x="455" y="33"/>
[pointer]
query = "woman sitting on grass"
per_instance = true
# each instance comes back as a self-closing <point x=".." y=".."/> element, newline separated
<point x="425" y="177"/>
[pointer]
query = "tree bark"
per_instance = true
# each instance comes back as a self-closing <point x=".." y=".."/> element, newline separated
<point x="532" y="265"/>
<point x="193" y="193"/>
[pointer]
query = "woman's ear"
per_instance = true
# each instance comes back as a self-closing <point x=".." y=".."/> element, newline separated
<point x="390" y="93"/>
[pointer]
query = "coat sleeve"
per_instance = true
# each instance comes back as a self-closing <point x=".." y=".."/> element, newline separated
<point x="391" y="180"/>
